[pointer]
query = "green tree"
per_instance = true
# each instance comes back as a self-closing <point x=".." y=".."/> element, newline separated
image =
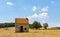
<point x="36" y="25"/>
<point x="2" y="25"/>
<point x="6" y="25"/>
<point x="31" y="26"/>
<point x="45" y="25"/>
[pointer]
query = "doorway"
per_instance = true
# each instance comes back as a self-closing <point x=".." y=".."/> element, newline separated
<point x="21" y="29"/>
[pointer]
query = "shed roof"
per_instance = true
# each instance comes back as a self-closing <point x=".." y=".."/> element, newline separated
<point x="21" y="20"/>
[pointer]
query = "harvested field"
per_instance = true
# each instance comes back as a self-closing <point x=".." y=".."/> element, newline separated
<point x="32" y="33"/>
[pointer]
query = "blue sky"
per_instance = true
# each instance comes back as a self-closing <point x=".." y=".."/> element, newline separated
<point x="39" y="10"/>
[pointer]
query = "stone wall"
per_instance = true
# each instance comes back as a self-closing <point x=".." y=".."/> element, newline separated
<point x="17" y="27"/>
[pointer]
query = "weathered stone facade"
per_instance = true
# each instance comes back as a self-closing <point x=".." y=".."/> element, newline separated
<point x="21" y="25"/>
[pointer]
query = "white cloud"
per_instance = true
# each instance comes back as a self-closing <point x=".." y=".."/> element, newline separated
<point x="9" y="3"/>
<point x="34" y="8"/>
<point x="44" y="9"/>
<point x="33" y="16"/>
<point x="41" y="15"/>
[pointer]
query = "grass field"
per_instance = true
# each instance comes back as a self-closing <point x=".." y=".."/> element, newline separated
<point x="32" y="33"/>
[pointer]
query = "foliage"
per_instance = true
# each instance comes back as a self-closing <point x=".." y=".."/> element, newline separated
<point x="2" y="25"/>
<point x="36" y="25"/>
<point x="45" y="25"/>
<point x="30" y="26"/>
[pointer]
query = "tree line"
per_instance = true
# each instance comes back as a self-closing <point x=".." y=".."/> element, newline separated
<point x="3" y="25"/>
<point x="34" y="25"/>
<point x="37" y="25"/>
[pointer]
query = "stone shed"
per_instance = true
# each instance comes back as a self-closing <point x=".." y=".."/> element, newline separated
<point x="21" y="25"/>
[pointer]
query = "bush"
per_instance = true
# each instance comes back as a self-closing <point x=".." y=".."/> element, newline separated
<point x="36" y="25"/>
<point x="45" y="25"/>
<point x="3" y="25"/>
